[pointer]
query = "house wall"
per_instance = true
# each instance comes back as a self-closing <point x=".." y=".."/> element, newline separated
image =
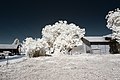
<point x="96" y="49"/>
<point x="102" y="49"/>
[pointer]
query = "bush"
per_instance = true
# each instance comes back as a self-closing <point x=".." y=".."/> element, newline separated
<point x="37" y="52"/>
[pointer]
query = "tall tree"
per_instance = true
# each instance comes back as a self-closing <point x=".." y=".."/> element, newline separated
<point x="113" y="23"/>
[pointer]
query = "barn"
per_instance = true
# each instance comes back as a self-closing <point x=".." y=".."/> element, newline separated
<point x="96" y="44"/>
<point x="10" y="47"/>
<point x="13" y="48"/>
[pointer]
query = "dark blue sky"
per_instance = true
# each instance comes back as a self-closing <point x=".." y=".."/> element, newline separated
<point x="21" y="19"/>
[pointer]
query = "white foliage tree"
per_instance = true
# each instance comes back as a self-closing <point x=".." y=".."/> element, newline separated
<point x="62" y="36"/>
<point x="58" y="38"/>
<point x="113" y="23"/>
<point x="35" y="47"/>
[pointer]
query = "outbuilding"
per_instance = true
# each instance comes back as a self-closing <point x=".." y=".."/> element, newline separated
<point x="96" y="44"/>
<point x="14" y="49"/>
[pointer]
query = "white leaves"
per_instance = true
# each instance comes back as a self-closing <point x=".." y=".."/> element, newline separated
<point x="63" y="35"/>
<point x="59" y="37"/>
<point x="113" y="19"/>
<point x="113" y="22"/>
<point x="31" y="44"/>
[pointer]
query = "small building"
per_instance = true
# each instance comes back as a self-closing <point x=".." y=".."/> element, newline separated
<point x="9" y="47"/>
<point x="96" y="44"/>
<point x="13" y="48"/>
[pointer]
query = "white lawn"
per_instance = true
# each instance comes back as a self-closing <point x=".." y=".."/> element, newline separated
<point x="72" y="67"/>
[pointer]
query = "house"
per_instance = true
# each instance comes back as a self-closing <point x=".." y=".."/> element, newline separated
<point x="96" y="44"/>
<point x="9" y="47"/>
<point x="14" y="48"/>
